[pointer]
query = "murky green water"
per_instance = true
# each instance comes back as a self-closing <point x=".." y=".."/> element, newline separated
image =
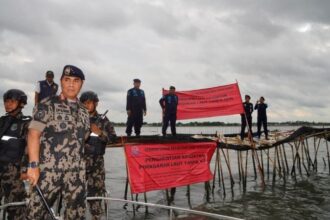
<point x="300" y="198"/>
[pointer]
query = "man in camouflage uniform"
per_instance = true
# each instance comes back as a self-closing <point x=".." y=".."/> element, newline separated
<point x="13" y="129"/>
<point x="102" y="132"/>
<point x="57" y="133"/>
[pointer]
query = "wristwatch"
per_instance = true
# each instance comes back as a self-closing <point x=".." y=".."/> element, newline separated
<point x="33" y="164"/>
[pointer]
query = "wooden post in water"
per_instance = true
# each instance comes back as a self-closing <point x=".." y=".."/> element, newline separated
<point x="274" y="167"/>
<point x="146" y="201"/>
<point x="262" y="163"/>
<point x="254" y="166"/>
<point x="232" y="182"/>
<point x="239" y="168"/>
<point x="246" y="166"/>
<point x="228" y="166"/>
<point x="286" y="160"/>
<point x="222" y="179"/>
<point x="188" y="196"/>
<point x="327" y="146"/>
<point x="278" y="162"/>
<point x="242" y="169"/>
<point x="215" y="169"/>
<point x="268" y="164"/>
<point x="293" y="170"/>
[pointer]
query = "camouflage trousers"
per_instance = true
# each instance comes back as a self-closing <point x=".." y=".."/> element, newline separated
<point x="95" y="175"/>
<point x="53" y="182"/>
<point x="12" y="189"/>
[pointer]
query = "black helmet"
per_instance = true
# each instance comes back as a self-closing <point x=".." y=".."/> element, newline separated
<point x="15" y="94"/>
<point x="89" y="95"/>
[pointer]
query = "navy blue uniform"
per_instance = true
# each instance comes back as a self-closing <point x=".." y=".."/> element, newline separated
<point x="47" y="90"/>
<point x="248" y="109"/>
<point x="136" y="103"/>
<point x="262" y="118"/>
<point x="169" y="103"/>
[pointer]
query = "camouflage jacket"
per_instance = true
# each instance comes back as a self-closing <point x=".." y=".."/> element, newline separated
<point x="65" y="127"/>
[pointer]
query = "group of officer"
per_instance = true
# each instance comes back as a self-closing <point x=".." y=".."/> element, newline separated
<point x="261" y="107"/>
<point x="136" y="108"/>
<point x="60" y="149"/>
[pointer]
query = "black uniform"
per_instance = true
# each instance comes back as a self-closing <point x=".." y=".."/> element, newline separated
<point x="136" y="103"/>
<point x="262" y="118"/>
<point x="12" y="147"/>
<point x="170" y="104"/>
<point x="248" y="109"/>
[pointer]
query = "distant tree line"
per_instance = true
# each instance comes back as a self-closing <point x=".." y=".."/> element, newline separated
<point x="218" y="124"/>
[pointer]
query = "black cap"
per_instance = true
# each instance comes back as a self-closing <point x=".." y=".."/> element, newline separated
<point x="137" y="80"/>
<point x="89" y="95"/>
<point x="70" y="70"/>
<point x="172" y="87"/>
<point x="15" y="94"/>
<point x="50" y="73"/>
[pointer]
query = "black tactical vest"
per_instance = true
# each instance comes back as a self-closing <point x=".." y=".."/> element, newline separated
<point x="12" y="143"/>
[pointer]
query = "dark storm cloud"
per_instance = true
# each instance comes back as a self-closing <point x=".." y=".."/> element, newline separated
<point x="278" y="49"/>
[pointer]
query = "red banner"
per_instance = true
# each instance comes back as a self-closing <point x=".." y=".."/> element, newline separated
<point x="163" y="166"/>
<point x="216" y="101"/>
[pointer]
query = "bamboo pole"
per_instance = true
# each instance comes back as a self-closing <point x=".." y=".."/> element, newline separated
<point x="188" y="196"/>
<point x="215" y="169"/>
<point x="274" y="167"/>
<point x="268" y="164"/>
<point x="286" y="160"/>
<point x="262" y="163"/>
<point x="239" y="168"/>
<point x="146" y="201"/>
<point x="232" y="182"/>
<point x="222" y="179"/>
<point x="228" y="166"/>
<point x="246" y="167"/>
<point x="254" y="167"/>
<point x="242" y="170"/>
<point x="327" y="146"/>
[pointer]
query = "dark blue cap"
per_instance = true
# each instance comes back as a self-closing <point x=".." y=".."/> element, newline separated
<point x="70" y="70"/>
<point x="137" y="80"/>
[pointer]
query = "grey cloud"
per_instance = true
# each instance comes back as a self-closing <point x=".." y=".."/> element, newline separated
<point x="190" y="44"/>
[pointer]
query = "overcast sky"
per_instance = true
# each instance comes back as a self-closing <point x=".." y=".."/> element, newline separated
<point x="276" y="48"/>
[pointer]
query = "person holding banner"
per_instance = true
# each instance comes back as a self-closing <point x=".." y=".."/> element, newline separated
<point x="246" y="116"/>
<point x="261" y="106"/>
<point x="136" y="108"/>
<point x="169" y="104"/>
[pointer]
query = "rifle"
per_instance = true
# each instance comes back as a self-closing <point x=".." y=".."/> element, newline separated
<point x="101" y="117"/>
<point x="51" y="212"/>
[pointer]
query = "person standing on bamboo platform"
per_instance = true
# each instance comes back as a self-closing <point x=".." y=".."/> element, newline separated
<point x="261" y="106"/>
<point x="56" y="142"/>
<point x="247" y="116"/>
<point x="102" y="132"/>
<point x="169" y="104"/>
<point x="136" y="108"/>
<point x="13" y="131"/>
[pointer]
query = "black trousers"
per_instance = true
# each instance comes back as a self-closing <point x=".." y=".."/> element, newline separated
<point x="169" y="118"/>
<point x="136" y="120"/>
<point x="243" y="126"/>
<point x="263" y="122"/>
